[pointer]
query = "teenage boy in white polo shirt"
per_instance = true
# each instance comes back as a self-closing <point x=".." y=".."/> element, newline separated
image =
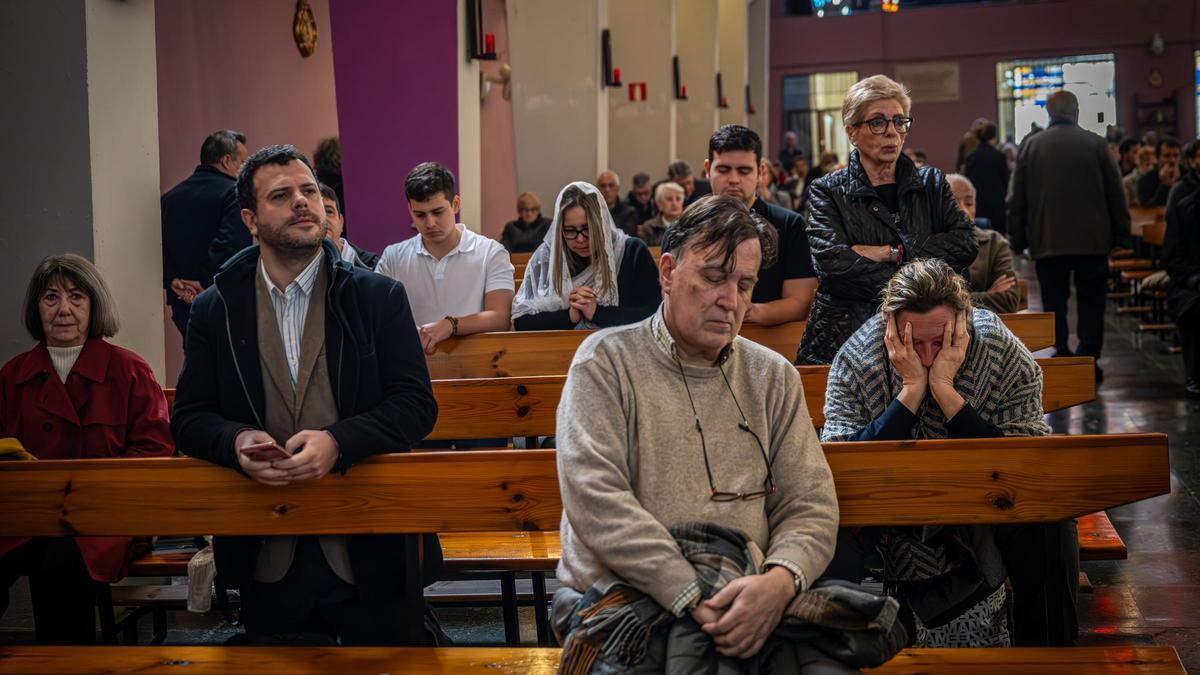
<point x="458" y="282"/>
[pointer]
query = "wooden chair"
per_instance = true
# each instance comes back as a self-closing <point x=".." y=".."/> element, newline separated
<point x="1008" y="480"/>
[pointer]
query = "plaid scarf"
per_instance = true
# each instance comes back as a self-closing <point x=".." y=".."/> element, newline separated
<point x="613" y="623"/>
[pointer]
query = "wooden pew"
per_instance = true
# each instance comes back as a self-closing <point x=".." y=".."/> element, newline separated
<point x="514" y="354"/>
<point x="1141" y="217"/>
<point x="1008" y="480"/>
<point x="529" y="661"/>
<point x="507" y="407"/>
<point x="526" y="406"/>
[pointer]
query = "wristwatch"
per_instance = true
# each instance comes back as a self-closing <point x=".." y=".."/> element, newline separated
<point x="453" y="325"/>
<point x="797" y="584"/>
<point x="893" y="255"/>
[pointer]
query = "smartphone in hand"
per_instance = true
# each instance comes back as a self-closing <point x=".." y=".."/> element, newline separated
<point x="264" y="452"/>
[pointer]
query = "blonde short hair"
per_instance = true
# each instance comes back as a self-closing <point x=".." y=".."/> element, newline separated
<point x="528" y="198"/>
<point x="923" y="285"/>
<point x="874" y="88"/>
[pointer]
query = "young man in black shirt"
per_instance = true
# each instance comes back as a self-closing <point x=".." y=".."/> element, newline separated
<point x="784" y="290"/>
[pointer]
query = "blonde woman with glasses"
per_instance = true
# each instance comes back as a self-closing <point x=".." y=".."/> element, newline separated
<point x="587" y="273"/>
<point x="879" y="212"/>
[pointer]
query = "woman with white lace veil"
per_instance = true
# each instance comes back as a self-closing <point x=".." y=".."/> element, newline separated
<point x="587" y="273"/>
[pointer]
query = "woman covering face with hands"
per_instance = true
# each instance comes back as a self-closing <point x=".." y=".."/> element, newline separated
<point x="929" y="365"/>
<point x="928" y="353"/>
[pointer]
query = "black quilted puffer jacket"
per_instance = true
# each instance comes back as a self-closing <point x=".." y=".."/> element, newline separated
<point x="844" y="210"/>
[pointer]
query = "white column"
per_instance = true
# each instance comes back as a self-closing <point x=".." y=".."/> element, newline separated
<point x="122" y="101"/>
<point x="470" y="184"/>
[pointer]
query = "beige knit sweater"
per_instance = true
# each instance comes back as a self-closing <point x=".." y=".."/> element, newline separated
<point x="630" y="462"/>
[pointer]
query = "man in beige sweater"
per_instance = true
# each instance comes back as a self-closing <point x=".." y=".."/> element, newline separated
<point x="676" y="419"/>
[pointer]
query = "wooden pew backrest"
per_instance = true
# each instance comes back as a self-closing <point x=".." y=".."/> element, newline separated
<point x="514" y="354"/>
<point x="1003" y="480"/>
<point x="549" y="352"/>
<point x="526" y="406"/>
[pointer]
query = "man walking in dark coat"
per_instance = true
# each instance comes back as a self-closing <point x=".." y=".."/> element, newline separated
<point x="192" y="212"/>
<point x="987" y="169"/>
<point x="318" y="360"/>
<point x="1068" y="207"/>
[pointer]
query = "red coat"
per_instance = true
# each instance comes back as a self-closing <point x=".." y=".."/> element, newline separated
<point x="110" y="406"/>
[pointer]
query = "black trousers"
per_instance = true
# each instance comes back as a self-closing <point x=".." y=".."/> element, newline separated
<point x="63" y="594"/>
<point x="311" y="600"/>
<point x="1189" y="335"/>
<point x="1091" y="292"/>
<point x="1042" y="562"/>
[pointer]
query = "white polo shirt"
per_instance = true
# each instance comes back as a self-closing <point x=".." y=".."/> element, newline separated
<point x="454" y="285"/>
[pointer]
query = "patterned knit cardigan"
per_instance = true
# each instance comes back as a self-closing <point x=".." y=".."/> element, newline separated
<point x="999" y="378"/>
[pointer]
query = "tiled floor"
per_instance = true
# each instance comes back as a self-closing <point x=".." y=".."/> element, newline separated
<point x="1151" y="598"/>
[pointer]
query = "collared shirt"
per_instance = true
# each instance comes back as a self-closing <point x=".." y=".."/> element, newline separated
<point x="453" y="286"/>
<point x="291" y="309"/>
<point x="349" y="254"/>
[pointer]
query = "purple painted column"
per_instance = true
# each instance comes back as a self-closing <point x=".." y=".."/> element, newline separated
<point x="396" y="72"/>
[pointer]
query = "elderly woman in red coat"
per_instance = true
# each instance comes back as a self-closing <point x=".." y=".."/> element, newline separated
<point x="74" y="396"/>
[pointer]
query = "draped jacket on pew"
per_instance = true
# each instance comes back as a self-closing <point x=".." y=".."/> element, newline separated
<point x="109" y="406"/>
<point x="376" y="368"/>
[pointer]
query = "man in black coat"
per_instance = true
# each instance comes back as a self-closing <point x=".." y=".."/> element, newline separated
<point x="1068" y="207"/>
<point x="192" y="213"/>
<point x="987" y="169"/>
<point x="365" y="362"/>
<point x="1181" y="258"/>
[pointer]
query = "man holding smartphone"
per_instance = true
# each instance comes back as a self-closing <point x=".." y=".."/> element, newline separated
<point x="298" y="364"/>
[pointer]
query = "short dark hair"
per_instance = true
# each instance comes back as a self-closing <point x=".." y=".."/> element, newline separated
<point x="329" y="195"/>
<point x="328" y="156"/>
<point x="987" y="132"/>
<point x="641" y="179"/>
<point x="678" y="169"/>
<point x="77" y="270"/>
<point x="428" y="179"/>
<point x="272" y="154"/>
<point x="1165" y="142"/>
<point x="218" y="144"/>
<point x="1191" y="149"/>
<point x="733" y="137"/>
<point x="1127" y="145"/>
<point x="920" y="153"/>
<point x="724" y="222"/>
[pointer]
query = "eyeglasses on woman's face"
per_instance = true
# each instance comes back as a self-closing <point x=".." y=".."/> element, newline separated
<point x="879" y="124"/>
<point x="572" y="233"/>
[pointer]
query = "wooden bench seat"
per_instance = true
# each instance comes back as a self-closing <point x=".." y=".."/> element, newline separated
<point x="527" y="661"/>
<point x="1131" y="264"/>
<point x="162" y="563"/>
<point x="1098" y="539"/>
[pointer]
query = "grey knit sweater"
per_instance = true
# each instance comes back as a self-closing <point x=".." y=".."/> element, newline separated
<point x="999" y="379"/>
<point x="630" y="463"/>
